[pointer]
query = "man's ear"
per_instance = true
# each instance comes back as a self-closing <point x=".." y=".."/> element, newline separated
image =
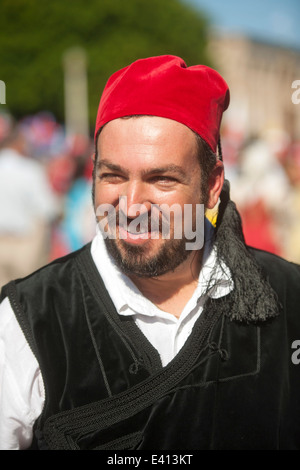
<point x="93" y="157"/>
<point x="215" y="184"/>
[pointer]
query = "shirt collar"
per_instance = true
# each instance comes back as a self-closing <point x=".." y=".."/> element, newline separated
<point x="214" y="279"/>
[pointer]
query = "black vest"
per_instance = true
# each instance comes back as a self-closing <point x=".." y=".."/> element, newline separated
<point x="233" y="385"/>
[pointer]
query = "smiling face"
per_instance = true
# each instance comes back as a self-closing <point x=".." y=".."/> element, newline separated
<point x="143" y="163"/>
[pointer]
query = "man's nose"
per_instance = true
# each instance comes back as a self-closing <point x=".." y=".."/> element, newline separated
<point x="135" y="201"/>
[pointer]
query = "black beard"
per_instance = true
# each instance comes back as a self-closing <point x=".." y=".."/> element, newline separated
<point x="134" y="261"/>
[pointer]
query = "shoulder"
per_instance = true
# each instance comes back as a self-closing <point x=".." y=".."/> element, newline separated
<point x="44" y="301"/>
<point x="283" y="275"/>
<point x="54" y="277"/>
<point x="274" y="265"/>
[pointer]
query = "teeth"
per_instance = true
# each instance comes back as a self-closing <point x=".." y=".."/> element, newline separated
<point x="137" y="233"/>
<point x="134" y="232"/>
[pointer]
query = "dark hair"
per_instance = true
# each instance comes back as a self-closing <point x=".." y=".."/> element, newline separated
<point x="207" y="160"/>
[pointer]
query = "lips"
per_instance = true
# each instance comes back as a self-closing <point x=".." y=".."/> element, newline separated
<point x="140" y="229"/>
<point x="132" y="230"/>
<point x="133" y="237"/>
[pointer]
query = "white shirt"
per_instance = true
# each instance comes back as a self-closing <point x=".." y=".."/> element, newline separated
<point x="25" y="194"/>
<point x="21" y="385"/>
<point x="164" y="331"/>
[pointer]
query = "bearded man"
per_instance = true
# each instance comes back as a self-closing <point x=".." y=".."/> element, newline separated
<point x="155" y="338"/>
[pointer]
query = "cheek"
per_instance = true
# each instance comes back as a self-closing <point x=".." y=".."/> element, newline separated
<point x="192" y="195"/>
<point x="188" y="195"/>
<point x="106" y="194"/>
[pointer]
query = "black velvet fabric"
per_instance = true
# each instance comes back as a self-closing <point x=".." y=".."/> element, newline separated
<point x="232" y="386"/>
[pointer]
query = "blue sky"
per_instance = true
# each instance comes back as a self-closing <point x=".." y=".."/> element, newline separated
<point x="277" y="21"/>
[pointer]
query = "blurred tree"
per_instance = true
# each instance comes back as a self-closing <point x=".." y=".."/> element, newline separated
<point x="34" y="36"/>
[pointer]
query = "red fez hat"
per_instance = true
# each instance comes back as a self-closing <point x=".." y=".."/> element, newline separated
<point x="164" y="86"/>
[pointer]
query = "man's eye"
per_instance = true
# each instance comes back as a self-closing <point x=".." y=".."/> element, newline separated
<point x="164" y="179"/>
<point x="110" y="176"/>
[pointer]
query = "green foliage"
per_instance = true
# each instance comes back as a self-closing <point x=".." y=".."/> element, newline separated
<point x="34" y="36"/>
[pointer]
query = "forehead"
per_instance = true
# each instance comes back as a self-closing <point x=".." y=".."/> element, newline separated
<point x="147" y="136"/>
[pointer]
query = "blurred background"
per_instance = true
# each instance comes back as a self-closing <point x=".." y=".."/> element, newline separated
<point x="54" y="62"/>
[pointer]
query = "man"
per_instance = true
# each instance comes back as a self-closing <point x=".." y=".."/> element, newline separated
<point x="28" y="209"/>
<point x="145" y="339"/>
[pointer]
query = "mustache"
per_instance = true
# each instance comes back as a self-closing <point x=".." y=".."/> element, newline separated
<point x="145" y="222"/>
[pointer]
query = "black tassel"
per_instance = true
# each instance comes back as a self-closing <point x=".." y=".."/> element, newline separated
<point x="220" y="154"/>
<point x="253" y="299"/>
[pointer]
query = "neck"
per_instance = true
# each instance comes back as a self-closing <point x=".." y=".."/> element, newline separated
<point x="172" y="290"/>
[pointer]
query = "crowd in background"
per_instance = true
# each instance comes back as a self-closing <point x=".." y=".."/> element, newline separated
<point x="45" y="193"/>
<point x="264" y="174"/>
<point x="46" y="179"/>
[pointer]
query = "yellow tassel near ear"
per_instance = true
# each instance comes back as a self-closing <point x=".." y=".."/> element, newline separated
<point x="212" y="214"/>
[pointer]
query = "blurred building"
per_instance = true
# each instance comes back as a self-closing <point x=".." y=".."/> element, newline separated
<point x="261" y="140"/>
<point x="260" y="77"/>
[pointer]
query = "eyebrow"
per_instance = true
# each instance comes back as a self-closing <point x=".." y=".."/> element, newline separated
<point x="167" y="169"/>
<point x="172" y="168"/>
<point x="107" y="164"/>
